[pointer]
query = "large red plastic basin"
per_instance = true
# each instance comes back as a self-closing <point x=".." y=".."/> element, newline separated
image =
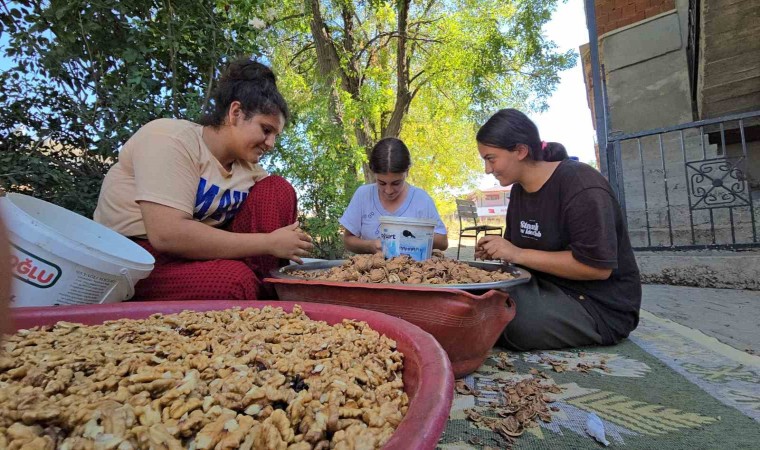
<point x="466" y="325"/>
<point x="427" y="372"/>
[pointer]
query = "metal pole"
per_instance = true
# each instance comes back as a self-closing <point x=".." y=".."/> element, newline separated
<point x="749" y="188"/>
<point x="599" y="108"/>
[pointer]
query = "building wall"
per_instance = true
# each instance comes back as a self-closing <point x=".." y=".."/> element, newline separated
<point x="493" y="199"/>
<point x="667" y="177"/>
<point x="729" y="62"/>
<point x="615" y="14"/>
<point x="646" y="69"/>
<point x="751" y="163"/>
<point x="585" y="54"/>
<point x="647" y="74"/>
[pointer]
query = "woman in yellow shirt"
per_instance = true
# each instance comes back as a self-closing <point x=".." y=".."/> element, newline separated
<point x="195" y="196"/>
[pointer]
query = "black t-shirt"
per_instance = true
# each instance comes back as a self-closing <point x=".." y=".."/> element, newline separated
<point x="576" y="210"/>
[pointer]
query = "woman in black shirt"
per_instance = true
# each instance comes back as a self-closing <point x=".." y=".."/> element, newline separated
<point x="565" y="225"/>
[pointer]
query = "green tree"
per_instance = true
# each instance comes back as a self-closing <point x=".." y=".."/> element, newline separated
<point x="86" y="75"/>
<point x="426" y="71"/>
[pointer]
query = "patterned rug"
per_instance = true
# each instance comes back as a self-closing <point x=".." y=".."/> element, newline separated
<point x="666" y="387"/>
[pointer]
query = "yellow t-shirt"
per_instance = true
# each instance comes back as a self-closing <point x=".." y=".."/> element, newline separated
<point x="167" y="162"/>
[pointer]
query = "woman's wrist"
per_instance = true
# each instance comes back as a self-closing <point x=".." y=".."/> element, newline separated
<point x="517" y="256"/>
<point x="514" y="255"/>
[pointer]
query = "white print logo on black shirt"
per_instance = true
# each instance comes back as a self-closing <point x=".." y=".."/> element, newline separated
<point x="530" y="229"/>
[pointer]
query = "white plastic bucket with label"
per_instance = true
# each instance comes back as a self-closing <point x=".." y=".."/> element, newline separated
<point x="61" y="258"/>
<point x="407" y="236"/>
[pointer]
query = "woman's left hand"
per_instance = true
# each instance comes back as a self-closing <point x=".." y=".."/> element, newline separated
<point x="496" y="247"/>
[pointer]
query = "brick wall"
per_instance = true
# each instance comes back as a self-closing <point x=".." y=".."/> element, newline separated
<point x="614" y="14"/>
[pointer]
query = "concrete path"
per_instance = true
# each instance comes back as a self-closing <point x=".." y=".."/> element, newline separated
<point x="467" y="252"/>
<point x="730" y="315"/>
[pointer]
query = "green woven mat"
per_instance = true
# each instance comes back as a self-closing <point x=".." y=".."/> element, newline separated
<point x="667" y="387"/>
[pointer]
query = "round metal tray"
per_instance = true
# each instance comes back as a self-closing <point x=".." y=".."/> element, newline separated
<point x="521" y="275"/>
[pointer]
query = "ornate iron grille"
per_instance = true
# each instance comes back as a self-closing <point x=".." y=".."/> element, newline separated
<point x="677" y="195"/>
<point x="717" y="183"/>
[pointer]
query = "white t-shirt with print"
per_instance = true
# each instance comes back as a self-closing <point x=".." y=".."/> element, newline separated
<point x="362" y="217"/>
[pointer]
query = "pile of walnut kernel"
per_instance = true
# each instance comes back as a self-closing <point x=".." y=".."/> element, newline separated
<point x="404" y="270"/>
<point x="228" y="379"/>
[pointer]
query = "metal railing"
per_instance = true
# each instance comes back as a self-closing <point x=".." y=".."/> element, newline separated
<point x="691" y="185"/>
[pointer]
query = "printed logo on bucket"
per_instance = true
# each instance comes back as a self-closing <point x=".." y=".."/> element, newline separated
<point x="32" y="269"/>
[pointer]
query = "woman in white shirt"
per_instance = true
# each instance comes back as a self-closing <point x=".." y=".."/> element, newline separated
<point x="390" y="195"/>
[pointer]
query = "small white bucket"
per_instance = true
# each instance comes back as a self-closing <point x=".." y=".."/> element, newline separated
<point x="407" y="236"/>
<point x="61" y="258"/>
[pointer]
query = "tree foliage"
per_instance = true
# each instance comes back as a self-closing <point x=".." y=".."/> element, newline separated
<point x="87" y="74"/>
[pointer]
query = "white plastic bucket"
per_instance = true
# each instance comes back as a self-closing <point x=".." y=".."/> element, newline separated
<point x="407" y="236"/>
<point x="61" y="258"/>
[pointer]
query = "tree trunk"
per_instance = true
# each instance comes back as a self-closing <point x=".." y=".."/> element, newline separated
<point x="328" y="64"/>
<point x="403" y="96"/>
<point x="327" y="57"/>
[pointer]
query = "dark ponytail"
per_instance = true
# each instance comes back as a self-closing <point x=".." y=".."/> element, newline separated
<point x="253" y="85"/>
<point x="510" y="127"/>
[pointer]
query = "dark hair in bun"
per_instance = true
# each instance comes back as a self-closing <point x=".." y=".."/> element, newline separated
<point x="509" y="127"/>
<point x="253" y="85"/>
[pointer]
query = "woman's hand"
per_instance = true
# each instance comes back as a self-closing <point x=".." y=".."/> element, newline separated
<point x="496" y="247"/>
<point x="361" y="246"/>
<point x="290" y="242"/>
<point x="369" y="246"/>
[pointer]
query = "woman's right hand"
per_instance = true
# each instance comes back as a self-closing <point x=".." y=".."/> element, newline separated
<point x="496" y="247"/>
<point x="290" y="242"/>
<point x="361" y="246"/>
